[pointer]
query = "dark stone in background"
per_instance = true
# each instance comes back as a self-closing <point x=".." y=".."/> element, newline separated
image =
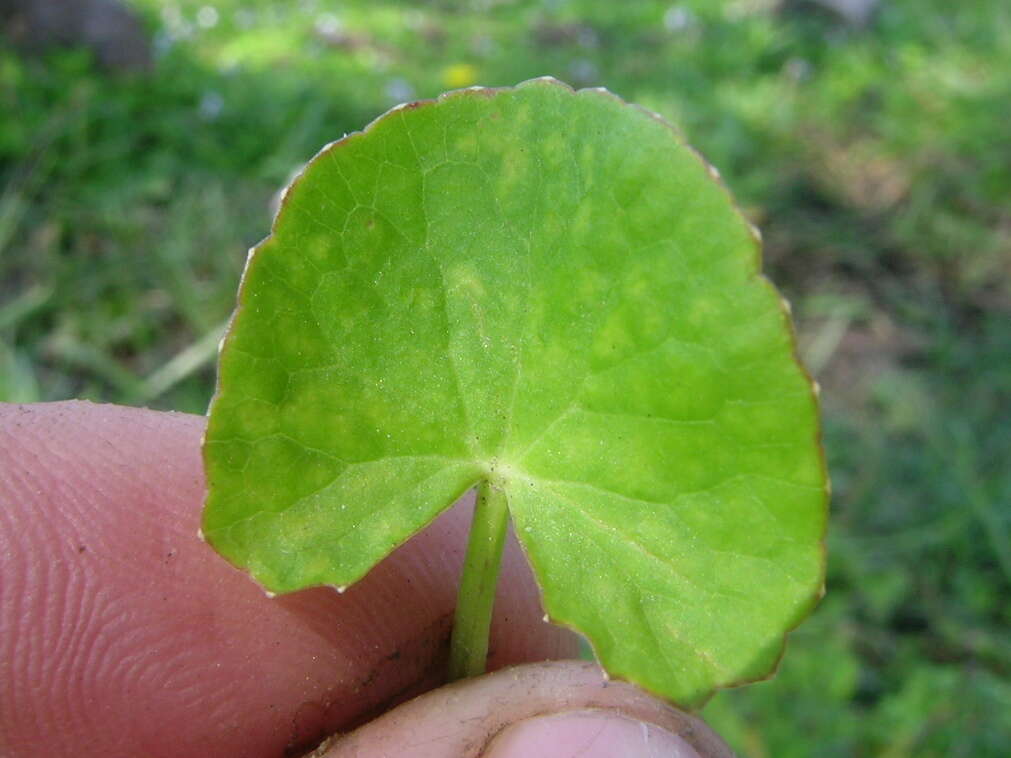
<point x="857" y="13"/>
<point x="111" y="31"/>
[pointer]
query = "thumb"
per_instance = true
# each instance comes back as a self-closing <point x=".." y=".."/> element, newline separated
<point x="546" y="710"/>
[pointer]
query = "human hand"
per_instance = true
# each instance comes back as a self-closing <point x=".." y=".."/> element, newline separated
<point x="122" y="634"/>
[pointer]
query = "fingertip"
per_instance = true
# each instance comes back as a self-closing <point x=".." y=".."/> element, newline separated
<point x="127" y="630"/>
<point x="588" y="734"/>
<point x="531" y="711"/>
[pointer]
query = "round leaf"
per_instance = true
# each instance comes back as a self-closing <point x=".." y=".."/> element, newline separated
<point x="549" y="290"/>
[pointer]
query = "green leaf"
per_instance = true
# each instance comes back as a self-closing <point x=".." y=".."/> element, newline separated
<point x="547" y="290"/>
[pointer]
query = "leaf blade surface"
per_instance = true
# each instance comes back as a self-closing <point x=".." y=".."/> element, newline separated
<point x="546" y="289"/>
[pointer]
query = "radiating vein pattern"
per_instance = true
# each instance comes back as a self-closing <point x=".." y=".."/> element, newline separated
<point x="546" y="289"/>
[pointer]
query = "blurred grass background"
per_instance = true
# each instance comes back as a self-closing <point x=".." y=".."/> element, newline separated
<point x="876" y="158"/>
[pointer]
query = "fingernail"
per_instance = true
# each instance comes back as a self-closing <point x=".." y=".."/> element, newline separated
<point x="587" y="734"/>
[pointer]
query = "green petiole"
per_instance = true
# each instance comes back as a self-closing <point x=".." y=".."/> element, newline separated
<point x="469" y="647"/>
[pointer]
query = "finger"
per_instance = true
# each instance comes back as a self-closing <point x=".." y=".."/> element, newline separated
<point x="121" y="633"/>
<point x="548" y="710"/>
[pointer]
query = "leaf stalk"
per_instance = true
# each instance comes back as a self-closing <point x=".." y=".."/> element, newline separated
<point x="468" y="652"/>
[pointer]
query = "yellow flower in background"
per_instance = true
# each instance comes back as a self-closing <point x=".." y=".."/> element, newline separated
<point x="459" y="75"/>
